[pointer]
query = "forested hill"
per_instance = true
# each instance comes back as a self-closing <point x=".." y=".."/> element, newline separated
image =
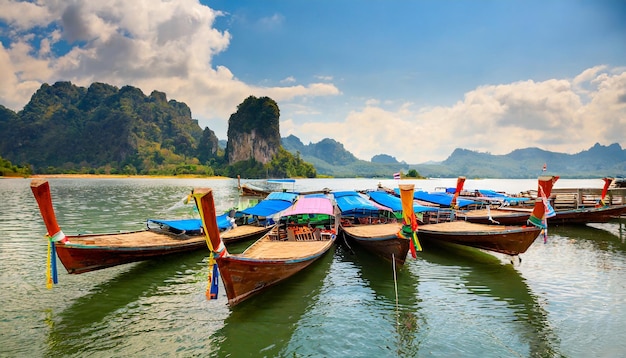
<point x="66" y="127"/>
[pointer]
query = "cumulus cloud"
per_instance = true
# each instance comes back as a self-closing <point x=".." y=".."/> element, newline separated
<point x="23" y="15"/>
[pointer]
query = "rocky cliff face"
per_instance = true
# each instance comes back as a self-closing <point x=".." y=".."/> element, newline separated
<point x="244" y="146"/>
<point x="253" y="131"/>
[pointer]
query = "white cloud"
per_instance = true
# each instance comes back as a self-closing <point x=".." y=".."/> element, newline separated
<point x="289" y="79"/>
<point x="22" y="15"/>
<point x="271" y="22"/>
<point x="324" y="78"/>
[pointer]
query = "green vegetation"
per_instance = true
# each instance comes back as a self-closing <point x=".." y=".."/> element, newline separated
<point x="259" y="114"/>
<point x="282" y="165"/>
<point x="7" y="169"/>
<point x="66" y="129"/>
<point x="414" y="174"/>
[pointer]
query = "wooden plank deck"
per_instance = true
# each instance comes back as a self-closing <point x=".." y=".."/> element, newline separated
<point x="493" y="212"/>
<point x="131" y="239"/>
<point x="242" y="230"/>
<point x="280" y="250"/>
<point x="378" y="230"/>
<point x="455" y="226"/>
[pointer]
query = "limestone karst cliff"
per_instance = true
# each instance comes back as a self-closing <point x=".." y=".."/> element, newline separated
<point x="253" y="131"/>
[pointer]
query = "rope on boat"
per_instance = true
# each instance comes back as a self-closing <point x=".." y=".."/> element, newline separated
<point x="346" y="242"/>
<point x="395" y="285"/>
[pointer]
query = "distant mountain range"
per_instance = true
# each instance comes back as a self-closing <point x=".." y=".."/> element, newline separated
<point x="330" y="158"/>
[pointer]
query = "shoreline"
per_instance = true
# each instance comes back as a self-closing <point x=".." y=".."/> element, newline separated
<point x="113" y="176"/>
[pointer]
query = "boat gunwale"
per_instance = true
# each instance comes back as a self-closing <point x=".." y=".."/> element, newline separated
<point x="473" y="229"/>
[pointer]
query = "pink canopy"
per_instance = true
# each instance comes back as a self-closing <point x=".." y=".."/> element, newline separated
<point x="311" y="206"/>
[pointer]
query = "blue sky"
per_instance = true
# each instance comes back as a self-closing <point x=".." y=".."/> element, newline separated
<point x="412" y="79"/>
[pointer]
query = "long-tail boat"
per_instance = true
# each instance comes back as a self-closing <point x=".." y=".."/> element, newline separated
<point x="375" y="227"/>
<point x="588" y="215"/>
<point x="497" y="215"/>
<point x="509" y="240"/>
<point x="574" y="214"/>
<point x="305" y="232"/>
<point x="84" y="253"/>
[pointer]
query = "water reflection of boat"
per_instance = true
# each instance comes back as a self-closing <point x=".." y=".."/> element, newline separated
<point x="485" y="275"/>
<point x="395" y="292"/>
<point x="605" y="237"/>
<point x="90" y="322"/>
<point x="264" y="326"/>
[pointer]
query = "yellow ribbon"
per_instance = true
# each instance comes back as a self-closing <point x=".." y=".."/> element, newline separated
<point x="49" y="266"/>
<point x="210" y="278"/>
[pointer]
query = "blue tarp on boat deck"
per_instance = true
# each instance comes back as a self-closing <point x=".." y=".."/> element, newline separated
<point x="503" y="197"/>
<point x="194" y="225"/>
<point x="442" y="199"/>
<point x="352" y="204"/>
<point x="281" y="180"/>
<point x="394" y="203"/>
<point x="272" y="204"/>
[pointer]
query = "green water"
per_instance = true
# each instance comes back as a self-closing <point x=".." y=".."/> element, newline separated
<point x="566" y="298"/>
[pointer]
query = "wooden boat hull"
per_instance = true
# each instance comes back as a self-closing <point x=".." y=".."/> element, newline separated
<point x="509" y="240"/>
<point x="86" y="253"/>
<point x="587" y="215"/>
<point x="249" y="191"/>
<point x="306" y="231"/>
<point x="382" y="240"/>
<point x="498" y="217"/>
<point x="245" y="275"/>
<point x="581" y="215"/>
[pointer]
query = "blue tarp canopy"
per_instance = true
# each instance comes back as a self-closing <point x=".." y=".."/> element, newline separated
<point x="500" y="196"/>
<point x="281" y="180"/>
<point x="442" y="199"/>
<point x="191" y="225"/>
<point x="352" y="204"/>
<point x="272" y="204"/>
<point x="394" y="203"/>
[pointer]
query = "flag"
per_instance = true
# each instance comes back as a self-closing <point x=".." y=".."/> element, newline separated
<point x="545" y="166"/>
<point x="396" y="175"/>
